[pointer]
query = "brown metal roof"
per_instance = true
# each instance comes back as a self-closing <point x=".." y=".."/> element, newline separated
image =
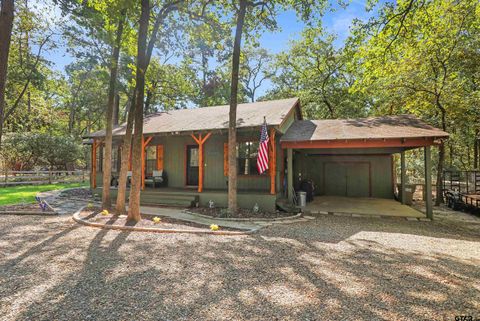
<point x="386" y="127"/>
<point x="212" y="118"/>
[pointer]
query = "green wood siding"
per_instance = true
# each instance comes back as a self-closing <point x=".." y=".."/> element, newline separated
<point x="348" y="175"/>
<point x="174" y="159"/>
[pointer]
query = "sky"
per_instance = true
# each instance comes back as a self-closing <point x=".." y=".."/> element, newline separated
<point x="336" y="20"/>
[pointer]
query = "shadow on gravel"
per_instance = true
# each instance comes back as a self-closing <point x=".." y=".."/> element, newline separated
<point x="332" y="268"/>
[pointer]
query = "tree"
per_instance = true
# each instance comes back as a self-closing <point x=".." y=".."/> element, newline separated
<point x="257" y="68"/>
<point x="317" y="72"/>
<point x="137" y="141"/>
<point x="261" y="14"/>
<point x="24" y="151"/>
<point x="107" y="164"/>
<point x="232" y="115"/>
<point x="161" y="11"/>
<point x="6" y="26"/>
<point x="413" y="63"/>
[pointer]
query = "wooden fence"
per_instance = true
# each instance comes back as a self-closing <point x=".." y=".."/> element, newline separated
<point x="14" y="178"/>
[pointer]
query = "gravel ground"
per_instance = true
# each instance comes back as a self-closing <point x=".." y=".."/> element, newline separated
<point x="329" y="268"/>
<point x="23" y="207"/>
<point x="94" y="215"/>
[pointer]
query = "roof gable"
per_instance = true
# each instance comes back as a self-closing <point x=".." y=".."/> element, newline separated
<point x="212" y="118"/>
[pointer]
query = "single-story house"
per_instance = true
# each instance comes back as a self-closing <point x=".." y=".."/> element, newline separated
<point x="343" y="157"/>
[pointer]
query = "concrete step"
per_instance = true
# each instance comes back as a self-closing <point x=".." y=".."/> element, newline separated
<point x="174" y="203"/>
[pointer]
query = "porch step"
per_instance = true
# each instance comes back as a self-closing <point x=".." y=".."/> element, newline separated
<point x="169" y="199"/>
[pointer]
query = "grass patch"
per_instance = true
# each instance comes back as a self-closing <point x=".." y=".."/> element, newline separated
<point x="26" y="194"/>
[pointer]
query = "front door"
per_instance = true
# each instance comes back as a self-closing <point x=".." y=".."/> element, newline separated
<point x="192" y="165"/>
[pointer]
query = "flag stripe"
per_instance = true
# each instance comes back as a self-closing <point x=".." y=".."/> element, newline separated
<point x="262" y="157"/>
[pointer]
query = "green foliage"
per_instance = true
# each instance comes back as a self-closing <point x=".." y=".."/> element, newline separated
<point x="422" y="61"/>
<point x="24" y="151"/>
<point x="317" y="72"/>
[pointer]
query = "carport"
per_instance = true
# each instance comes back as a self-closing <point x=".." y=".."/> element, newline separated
<point x="353" y="158"/>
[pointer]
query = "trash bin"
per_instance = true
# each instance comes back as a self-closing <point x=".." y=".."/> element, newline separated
<point x="409" y="191"/>
<point x="302" y="198"/>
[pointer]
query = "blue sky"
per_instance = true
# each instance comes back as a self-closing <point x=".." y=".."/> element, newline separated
<point x="336" y="20"/>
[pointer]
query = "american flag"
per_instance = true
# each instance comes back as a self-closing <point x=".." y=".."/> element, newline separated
<point x="262" y="158"/>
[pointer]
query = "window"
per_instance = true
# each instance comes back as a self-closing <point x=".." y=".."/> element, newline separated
<point x="151" y="159"/>
<point x="114" y="159"/>
<point x="247" y="158"/>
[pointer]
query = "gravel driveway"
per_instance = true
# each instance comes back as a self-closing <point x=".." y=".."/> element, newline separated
<point x="329" y="268"/>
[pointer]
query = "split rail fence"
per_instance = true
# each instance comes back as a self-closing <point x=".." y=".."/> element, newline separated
<point x="16" y="178"/>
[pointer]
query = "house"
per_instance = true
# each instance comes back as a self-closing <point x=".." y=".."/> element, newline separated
<point x="345" y="157"/>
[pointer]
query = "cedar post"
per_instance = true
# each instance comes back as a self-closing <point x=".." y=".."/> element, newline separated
<point x="200" y="141"/>
<point x="290" y="174"/>
<point x="402" y="176"/>
<point x="273" y="162"/>
<point x="93" y="181"/>
<point x="428" y="182"/>
<point x="159" y="157"/>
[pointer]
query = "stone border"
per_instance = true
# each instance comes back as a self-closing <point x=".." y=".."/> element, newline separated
<point x="28" y="213"/>
<point x="247" y="219"/>
<point x="76" y="217"/>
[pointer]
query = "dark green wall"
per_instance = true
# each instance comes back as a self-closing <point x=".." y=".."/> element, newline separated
<point x="175" y="159"/>
<point x="312" y="165"/>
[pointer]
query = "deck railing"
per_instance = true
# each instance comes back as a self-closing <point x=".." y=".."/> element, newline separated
<point x="13" y="178"/>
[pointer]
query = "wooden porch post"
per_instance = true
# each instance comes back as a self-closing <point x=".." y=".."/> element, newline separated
<point x="402" y="176"/>
<point x="273" y="161"/>
<point x="290" y="174"/>
<point x="144" y="145"/>
<point x="428" y="182"/>
<point x="200" y="141"/>
<point x="159" y="157"/>
<point x="93" y="180"/>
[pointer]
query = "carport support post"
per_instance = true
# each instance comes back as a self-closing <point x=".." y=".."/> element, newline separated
<point x="290" y="174"/>
<point x="402" y="176"/>
<point x="428" y="182"/>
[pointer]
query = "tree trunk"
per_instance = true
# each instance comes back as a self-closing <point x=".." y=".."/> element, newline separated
<point x="6" y="25"/>
<point x="125" y="159"/>
<point x="475" y="150"/>
<point x="107" y="157"/>
<point x="441" y="161"/>
<point x="137" y="142"/>
<point x="116" y="110"/>
<point x="232" y="124"/>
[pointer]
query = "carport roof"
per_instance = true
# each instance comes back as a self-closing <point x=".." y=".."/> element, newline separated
<point x="399" y="130"/>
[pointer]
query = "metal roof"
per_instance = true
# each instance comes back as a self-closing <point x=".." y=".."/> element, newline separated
<point x="386" y="127"/>
<point x="212" y="118"/>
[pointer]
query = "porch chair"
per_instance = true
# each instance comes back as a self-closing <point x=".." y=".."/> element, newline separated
<point x="129" y="178"/>
<point x="158" y="178"/>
